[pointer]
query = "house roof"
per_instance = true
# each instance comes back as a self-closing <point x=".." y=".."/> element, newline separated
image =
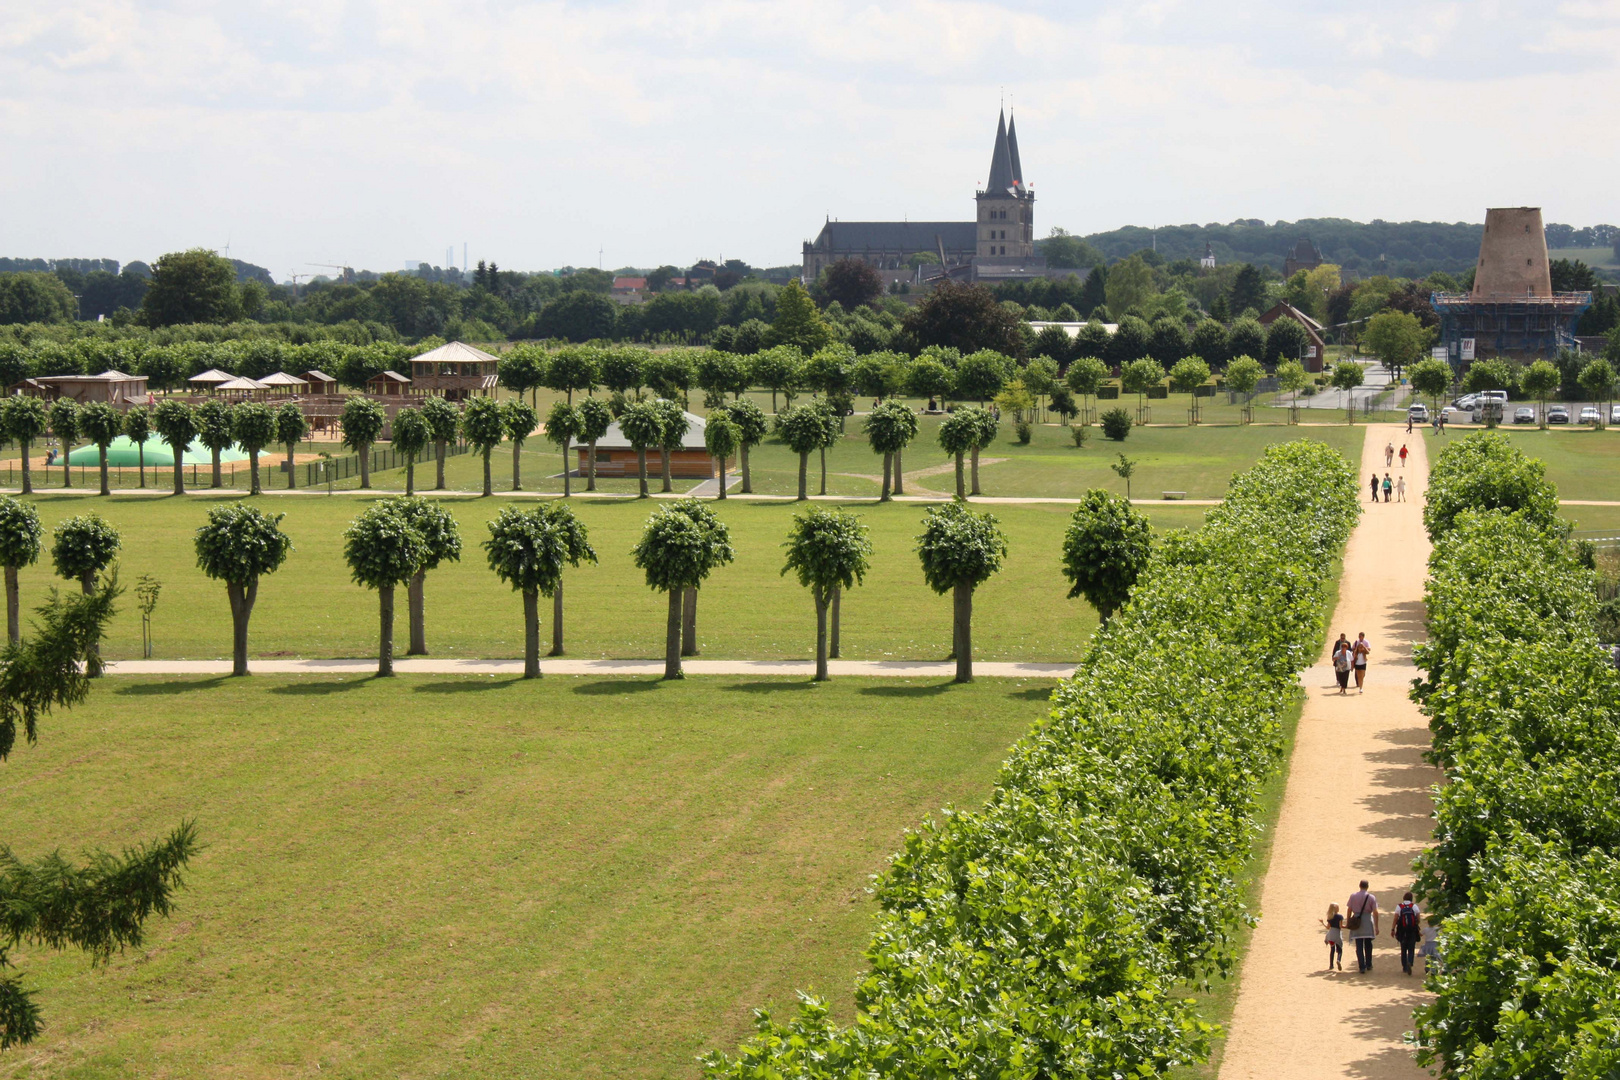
<point x="1305" y="250"/>
<point x="389" y="376"/>
<point x="317" y="376"/>
<point x="693" y="440"/>
<point x="455" y="352"/>
<point x="636" y="283"/>
<point x="1285" y="308"/>
<point x="897" y="236"/>
<point x="212" y="375"/>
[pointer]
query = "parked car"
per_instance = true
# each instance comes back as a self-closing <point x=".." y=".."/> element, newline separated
<point x="1467" y="402"/>
<point x="1523" y="415"/>
<point x="1557" y="414"/>
<point x="1451" y="415"/>
<point x="1419" y="414"/>
<point x="1614" y="414"/>
<point x="1589" y="414"/>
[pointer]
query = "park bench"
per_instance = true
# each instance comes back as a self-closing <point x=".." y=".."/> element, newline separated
<point x="1175" y="494"/>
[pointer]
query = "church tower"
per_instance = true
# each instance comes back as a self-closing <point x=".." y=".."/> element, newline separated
<point x="1006" y="224"/>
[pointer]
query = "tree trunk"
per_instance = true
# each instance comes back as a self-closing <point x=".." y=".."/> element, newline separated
<point x="823" y="471"/>
<point x="292" y="475"/>
<point x="961" y="490"/>
<point x="180" y="471"/>
<point x="689" y="622"/>
<point x="385" y="631"/>
<point x="837" y="602"/>
<point x="365" y="466"/>
<point x="219" y="480"/>
<point x="67" y="470"/>
<point x="821" y="635"/>
<point x="899" y="482"/>
<point x="13" y="607"/>
<point x="975" y="456"/>
<point x="748" y="481"/>
<point x="641" y="469"/>
<point x="28" y="480"/>
<point x="489" y="487"/>
<point x="140" y="459"/>
<point x="962" y="617"/>
<point x="804" y="476"/>
<point x="241" y="610"/>
<point x="557" y="621"/>
<point x="531" y="634"/>
<point x="410" y="475"/>
<point x="663" y="452"/>
<point x="568" y="484"/>
<point x="672" y="637"/>
<point x="722" y="468"/>
<point x="415" y="597"/>
<point x="253" y="469"/>
<point x="105" y="490"/>
<point x="517" y="464"/>
<point x="888" y="462"/>
<point x="438" y="449"/>
<point x="590" y="468"/>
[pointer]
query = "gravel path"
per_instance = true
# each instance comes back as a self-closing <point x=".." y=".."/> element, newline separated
<point x="1357" y="806"/>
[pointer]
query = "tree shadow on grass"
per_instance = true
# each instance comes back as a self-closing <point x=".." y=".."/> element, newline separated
<point x="465" y="686"/>
<point x="168" y="688"/>
<point x="618" y="686"/>
<point x="1033" y="693"/>
<point x="928" y="690"/>
<point x="770" y="687"/>
<point x="322" y="688"/>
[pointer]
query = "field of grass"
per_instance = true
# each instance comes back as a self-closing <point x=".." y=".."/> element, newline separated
<point x="1583" y="462"/>
<point x="1601" y="257"/>
<point x="484" y="877"/>
<point x="310" y="608"/>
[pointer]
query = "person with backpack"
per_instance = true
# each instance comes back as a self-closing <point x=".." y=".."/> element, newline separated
<point x="1343" y="653"/>
<point x="1361" y="920"/>
<point x="1407" y="929"/>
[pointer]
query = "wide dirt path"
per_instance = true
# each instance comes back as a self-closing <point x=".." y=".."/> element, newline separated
<point x="1356" y="806"/>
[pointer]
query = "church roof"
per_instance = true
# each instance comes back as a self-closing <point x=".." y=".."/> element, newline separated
<point x="898" y="236"/>
<point x="1012" y="150"/>
<point x="1003" y="176"/>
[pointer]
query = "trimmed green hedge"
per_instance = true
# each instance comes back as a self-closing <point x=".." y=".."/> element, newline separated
<point x="1046" y="933"/>
<point x="1523" y="704"/>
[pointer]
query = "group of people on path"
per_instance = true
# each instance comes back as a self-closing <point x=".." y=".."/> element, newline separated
<point x="1351" y="656"/>
<point x="1360" y="921"/>
<point x="1390" y="486"/>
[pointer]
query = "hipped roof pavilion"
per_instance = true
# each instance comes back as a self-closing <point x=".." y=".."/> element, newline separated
<point x="211" y="378"/>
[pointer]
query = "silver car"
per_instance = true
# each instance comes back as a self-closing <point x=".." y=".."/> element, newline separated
<point x="1524" y="415"/>
<point x="1589" y="415"/>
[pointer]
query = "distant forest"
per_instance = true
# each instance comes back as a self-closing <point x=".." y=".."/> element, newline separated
<point x="1412" y="249"/>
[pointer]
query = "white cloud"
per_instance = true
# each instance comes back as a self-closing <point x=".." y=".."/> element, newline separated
<point x="371" y="132"/>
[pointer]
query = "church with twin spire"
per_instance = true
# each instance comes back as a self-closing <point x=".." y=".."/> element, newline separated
<point x="998" y="246"/>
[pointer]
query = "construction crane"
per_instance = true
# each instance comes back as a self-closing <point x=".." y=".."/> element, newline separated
<point x="347" y="271"/>
<point x="295" y="278"/>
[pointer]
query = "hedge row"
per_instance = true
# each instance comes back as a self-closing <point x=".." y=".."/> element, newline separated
<point x="1046" y="934"/>
<point x="1524" y="706"/>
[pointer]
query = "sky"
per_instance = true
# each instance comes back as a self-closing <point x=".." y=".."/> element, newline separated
<point x="373" y="134"/>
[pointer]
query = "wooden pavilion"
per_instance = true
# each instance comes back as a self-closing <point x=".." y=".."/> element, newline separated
<point x="454" y="371"/>
<point x="388" y="384"/>
<point x="320" y="383"/>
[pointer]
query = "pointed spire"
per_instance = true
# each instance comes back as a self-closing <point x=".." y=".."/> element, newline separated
<point x="1001" y="168"/>
<point x="1012" y="150"/>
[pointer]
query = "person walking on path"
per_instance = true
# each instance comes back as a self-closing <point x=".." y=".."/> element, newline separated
<point x="1389" y="486"/>
<point x="1400" y="489"/>
<point x="1335" y="936"/>
<point x="1374" y="487"/>
<point x="1407" y="929"/>
<point x="1403" y="455"/>
<point x="1389" y="454"/>
<point x="1343" y="655"/>
<point x="1362" y="922"/>
<point x="1358" y="653"/>
<point x="1409" y="421"/>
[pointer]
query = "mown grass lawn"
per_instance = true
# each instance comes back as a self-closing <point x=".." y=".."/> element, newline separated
<point x="1583" y="462"/>
<point x="310" y="608"/>
<point x="480" y="877"/>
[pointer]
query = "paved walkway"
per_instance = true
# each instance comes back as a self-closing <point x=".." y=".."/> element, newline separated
<point x="1357" y="806"/>
<point x="911" y="669"/>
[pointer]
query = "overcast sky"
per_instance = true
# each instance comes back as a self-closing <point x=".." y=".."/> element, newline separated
<point x="372" y="133"/>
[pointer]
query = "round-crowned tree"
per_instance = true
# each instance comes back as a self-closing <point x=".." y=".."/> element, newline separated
<point x="803" y="428"/>
<point x="444" y="421"/>
<point x="254" y="426"/>
<point x="829" y="551"/>
<point x="441" y="540"/>
<point x="680" y="547"/>
<point x="890" y="427"/>
<point x="1431" y="378"/>
<point x="65" y="425"/>
<point x="363" y="421"/>
<point x="672" y="428"/>
<point x="984" y="437"/>
<point x="751" y="428"/>
<point x="519" y="419"/>
<point x="1107" y="546"/>
<point x="576" y="549"/>
<point x="959" y="435"/>
<point x="291" y="429"/>
<point x="1291" y="379"/>
<point x="1186" y="377"/>
<point x="526" y="551"/>
<point x="643" y="427"/>
<point x="573" y="367"/>
<point x="25" y="419"/>
<point x="176" y="424"/>
<point x="594" y="420"/>
<point x="410" y="436"/>
<point x="138" y="426"/>
<point x="214" y="432"/>
<point x="238" y="545"/>
<point x="721" y="438"/>
<point x="383" y="549"/>
<point x="1347" y="375"/>
<point x="20" y="534"/>
<point x="483" y="429"/>
<point x="82" y="547"/>
<point x="1242" y="377"/>
<point x="100" y="423"/>
<point x="960" y="550"/>
<point x="563" y="426"/>
<point x="1138" y="377"/>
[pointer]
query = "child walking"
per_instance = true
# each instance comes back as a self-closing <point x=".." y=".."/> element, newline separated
<point x="1335" y="937"/>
